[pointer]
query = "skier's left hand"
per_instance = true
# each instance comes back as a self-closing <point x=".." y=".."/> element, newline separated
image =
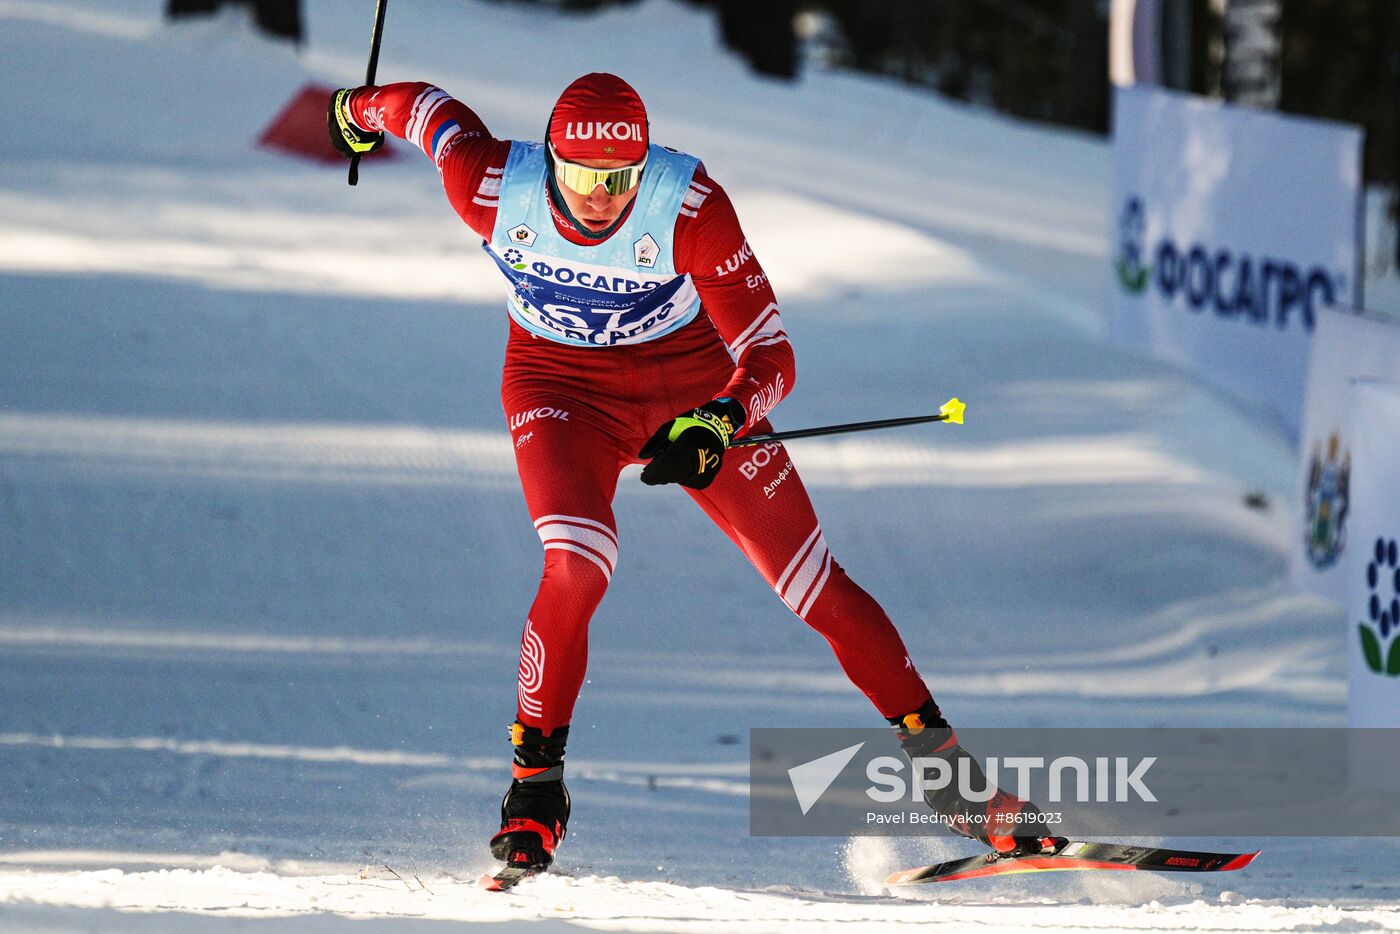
<point x="689" y="448"/>
<point x="349" y="140"/>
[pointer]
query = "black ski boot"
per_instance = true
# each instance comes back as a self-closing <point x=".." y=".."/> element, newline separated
<point x="1005" y="823"/>
<point x="535" y="811"/>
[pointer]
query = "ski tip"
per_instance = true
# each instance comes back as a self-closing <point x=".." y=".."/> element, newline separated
<point x="1241" y="861"/>
<point x="901" y="877"/>
<point x="508" y="877"/>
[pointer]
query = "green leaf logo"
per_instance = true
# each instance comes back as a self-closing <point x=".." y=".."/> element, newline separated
<point x="1132" y="277"/>
<point x="1371" y="648"/>
<point x="1133" y="273"/>
<point x="1383" y="609"/>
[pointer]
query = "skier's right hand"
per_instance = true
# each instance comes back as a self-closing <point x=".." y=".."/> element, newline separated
<point x="348" y="139"/>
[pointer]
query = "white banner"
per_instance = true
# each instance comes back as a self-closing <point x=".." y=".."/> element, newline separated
<point x="1235" y="227"/>
<point x="1345" y="347"/>
<point x="1373" y="561"/>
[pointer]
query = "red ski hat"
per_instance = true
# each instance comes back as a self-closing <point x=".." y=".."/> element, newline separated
<point x="599" y="116"/>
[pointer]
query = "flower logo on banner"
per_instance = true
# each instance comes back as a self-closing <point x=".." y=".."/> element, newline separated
<point x="1132" y="231"/>
<point x="1383" y="579"/>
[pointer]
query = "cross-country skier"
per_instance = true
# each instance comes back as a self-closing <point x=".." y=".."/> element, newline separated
<point x="642" y="329"/>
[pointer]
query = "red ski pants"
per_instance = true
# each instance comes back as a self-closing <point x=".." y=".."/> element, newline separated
<point x="577" y="416"/>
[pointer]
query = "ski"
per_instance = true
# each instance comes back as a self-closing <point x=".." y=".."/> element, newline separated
<point x="506" y="878"/>
<point x="1076" y="855"/>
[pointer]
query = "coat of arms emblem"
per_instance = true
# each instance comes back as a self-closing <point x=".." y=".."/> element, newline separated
<point x="1327" y="501"/>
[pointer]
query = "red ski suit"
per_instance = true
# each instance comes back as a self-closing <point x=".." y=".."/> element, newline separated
<point x="578" y="415"/>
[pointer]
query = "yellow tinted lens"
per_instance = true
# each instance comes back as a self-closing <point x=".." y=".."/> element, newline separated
<point x="582" y="179"/>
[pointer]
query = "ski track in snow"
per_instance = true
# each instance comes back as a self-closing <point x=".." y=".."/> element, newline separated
<point x="263" y="559"/>
<point x="211" y="899"/>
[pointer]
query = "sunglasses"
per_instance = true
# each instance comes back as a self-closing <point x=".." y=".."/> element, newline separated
<point x="583" y="179"/>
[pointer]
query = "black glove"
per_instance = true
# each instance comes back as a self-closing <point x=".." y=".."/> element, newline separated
<point x="690" y="447"/>
<point x="348" y="139"/>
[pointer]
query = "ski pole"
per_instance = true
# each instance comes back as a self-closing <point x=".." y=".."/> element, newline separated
<point x="369" y="74"/>
<point x="950" y="411"/>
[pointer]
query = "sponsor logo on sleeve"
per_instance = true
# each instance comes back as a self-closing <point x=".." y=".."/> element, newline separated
<point x="740" y="257"/>
<point x="765" y="400"/>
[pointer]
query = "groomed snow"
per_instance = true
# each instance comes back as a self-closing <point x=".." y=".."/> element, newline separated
<point x="263" y="562"/>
